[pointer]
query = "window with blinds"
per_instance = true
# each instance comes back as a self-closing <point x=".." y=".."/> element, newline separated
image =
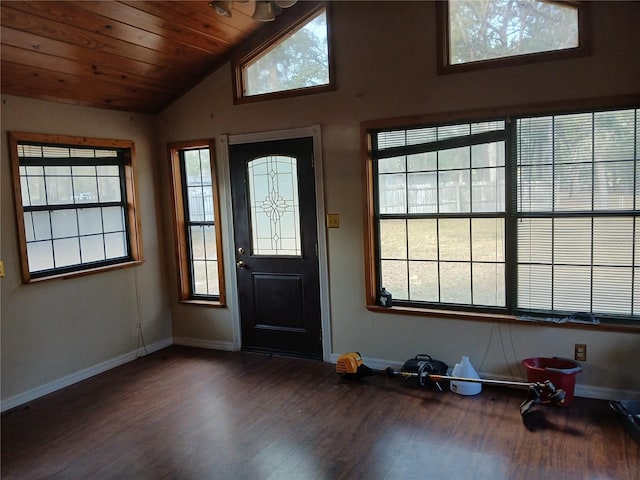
<point x="525" y="216"/>
<point x="577" y="184"/>
<point x="75" y="206"/>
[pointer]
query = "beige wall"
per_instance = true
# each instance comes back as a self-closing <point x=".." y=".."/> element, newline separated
<point x="386" y="67"/>
<point x="56" y="329"/>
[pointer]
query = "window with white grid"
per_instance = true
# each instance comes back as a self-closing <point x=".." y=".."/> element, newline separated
<point x="533" y="215"/>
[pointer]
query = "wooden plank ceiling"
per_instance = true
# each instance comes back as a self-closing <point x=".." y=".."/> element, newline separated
<point x="136" y="56"/>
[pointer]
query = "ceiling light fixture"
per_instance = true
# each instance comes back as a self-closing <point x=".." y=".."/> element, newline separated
<point x="265" y="11"/>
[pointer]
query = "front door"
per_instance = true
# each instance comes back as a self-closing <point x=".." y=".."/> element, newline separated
<point x="276" y="246"/>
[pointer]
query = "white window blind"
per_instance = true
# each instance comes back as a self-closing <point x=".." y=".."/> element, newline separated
<point x="577" y="224"/>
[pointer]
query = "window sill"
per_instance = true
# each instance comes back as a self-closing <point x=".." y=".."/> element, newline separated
<point x="80" y="273"/>
<point x="487" y="317"/>
<point x="204" y="303"/>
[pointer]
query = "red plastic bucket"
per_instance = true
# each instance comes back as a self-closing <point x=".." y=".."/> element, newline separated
<point x="559" y="371"/>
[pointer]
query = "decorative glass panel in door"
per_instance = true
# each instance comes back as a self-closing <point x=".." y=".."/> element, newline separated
<point x="274" y="206"/>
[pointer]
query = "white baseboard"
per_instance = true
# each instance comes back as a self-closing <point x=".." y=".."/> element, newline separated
<point x="589" y="391"/>
<point x="76" y="377"/>
<point x="585" y="391"/>
<point x="200" y="343"/>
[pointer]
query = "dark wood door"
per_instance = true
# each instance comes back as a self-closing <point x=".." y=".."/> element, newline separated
<point x="275" y="229"/>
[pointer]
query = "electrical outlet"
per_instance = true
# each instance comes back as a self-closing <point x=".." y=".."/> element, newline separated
<point x="581" y="352"/>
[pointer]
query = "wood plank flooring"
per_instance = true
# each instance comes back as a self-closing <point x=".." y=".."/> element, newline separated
<point x="185" y="413"/>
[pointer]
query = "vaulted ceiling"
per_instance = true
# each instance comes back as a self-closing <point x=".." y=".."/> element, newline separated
<point x="136" y="56"/>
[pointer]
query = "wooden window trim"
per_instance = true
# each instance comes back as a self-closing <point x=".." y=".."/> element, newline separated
<point x="492" y="318"/>
<point x="179" y="224"/>
<point x="452" y="117"/>
<point x="442" y="43"/>
<point x="289" y="19"/>
<point x="132" y="211"/>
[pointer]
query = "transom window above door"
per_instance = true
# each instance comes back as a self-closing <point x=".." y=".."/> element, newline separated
<point x="296" y="61"/>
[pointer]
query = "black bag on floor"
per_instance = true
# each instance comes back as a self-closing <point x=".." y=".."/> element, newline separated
<point x="424" y="366"/>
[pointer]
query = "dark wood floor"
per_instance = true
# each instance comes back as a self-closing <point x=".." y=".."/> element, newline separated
<point x="185" y="413"/>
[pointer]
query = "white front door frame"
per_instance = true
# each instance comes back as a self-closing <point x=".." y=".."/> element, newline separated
<point x="223" y="143"/>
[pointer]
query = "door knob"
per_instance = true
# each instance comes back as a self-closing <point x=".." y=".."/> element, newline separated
<point x="240" y="264"/>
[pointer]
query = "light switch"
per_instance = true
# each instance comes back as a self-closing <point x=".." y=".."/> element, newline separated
<point x="333" y="220"/>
